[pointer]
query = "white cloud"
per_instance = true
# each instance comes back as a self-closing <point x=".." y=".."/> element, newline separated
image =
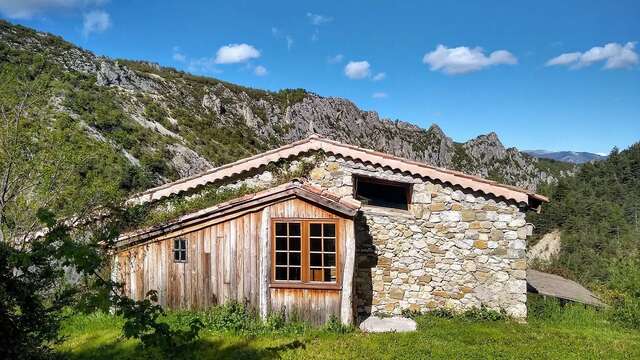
<point x="461" y="60"/>
<point x="564" y="59"/>
<point x="289" y="42"/>
<point x="316" y="35"/>
<point x="614" y="55"/>
<point x="236" y="53"/>
<point x="357" y="69"/>
<point x="317" y="19"/>
<point x="26" y="9"/>
<point x="95" y="21"/>
<point x="275" y="31"/>
<point x="260" y="70"/>
<point x="380" y="95"/>
<point x="178" y="55"/>
<point x="379" y="76"/>
<point x="335" y="59"/>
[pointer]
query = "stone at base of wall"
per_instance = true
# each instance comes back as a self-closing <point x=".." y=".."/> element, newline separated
<point x="393" y="324"/>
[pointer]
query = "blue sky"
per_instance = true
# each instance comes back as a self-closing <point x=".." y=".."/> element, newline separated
<point x="543" y="75"/>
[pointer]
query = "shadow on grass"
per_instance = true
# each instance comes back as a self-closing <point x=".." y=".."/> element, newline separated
<point x="205" y="348"/>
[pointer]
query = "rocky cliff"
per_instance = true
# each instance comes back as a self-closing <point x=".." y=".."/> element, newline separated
<point x="175" y="124"/>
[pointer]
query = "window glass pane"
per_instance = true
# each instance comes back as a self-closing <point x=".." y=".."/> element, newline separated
<point x="183" y="244"/>
<point x="294" y="229"/>
<point x="281" y="258"/>
<point x="294" y="273"/>
<point x="184" y="255"/>
<point x="315" y="230"/>
<point x="329" y="259"/>
<point x="281" y="229"/>
<point x="315" y="259"/>
<point x="281" y="243"/>
<point x="315" y="274"/>
<point x="176" y="244"/>
<point x="329" y="275"/>
<point x="329" y="230"/>
<point x="294" y="258"/>
<point x="281" y="273"/>
<point x="330" y="245"/>
<point x="320" y="251"/>
<point x="294" y="244"/>
<point x="176" y="255"/>
<point x="315" y="244"/>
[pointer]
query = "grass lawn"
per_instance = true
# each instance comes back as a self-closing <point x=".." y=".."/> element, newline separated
<point x="575" y="334"/>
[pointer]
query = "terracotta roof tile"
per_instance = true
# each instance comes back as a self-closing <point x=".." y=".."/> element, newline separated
<point x="316" y="143"/>
<point x="294" y="188"/>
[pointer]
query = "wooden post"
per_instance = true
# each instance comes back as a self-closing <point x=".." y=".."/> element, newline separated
<point x="115" y="275"/>
<point x="264" y="262"/>
<point x="346" y="305"/>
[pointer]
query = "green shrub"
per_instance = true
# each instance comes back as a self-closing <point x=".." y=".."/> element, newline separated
<point x="483" y="314"/>
<point x="276" y="320"/>
<point x="540" y="308"/>
<point x="232" y="316"/>
<point x="334" y="325"/>
<point x="475" y="314"/>
<point x="625" y="311"/>
<point x="442" y="313"/>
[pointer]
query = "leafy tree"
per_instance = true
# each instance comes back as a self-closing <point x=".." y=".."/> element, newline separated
<point x="56" y="189"/>
<point x="597" y="213"/>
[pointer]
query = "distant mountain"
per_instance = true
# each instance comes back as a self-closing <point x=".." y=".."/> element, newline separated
<point x="574" y="157"/>
<point x="163" y="124"/>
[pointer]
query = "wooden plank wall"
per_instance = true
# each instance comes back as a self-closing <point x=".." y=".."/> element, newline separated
<point x="222" y="265"/>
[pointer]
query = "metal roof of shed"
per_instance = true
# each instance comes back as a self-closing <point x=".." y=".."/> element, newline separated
<point x="559" y="287"/>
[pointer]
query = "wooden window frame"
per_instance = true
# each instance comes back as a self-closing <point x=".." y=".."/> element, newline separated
<point x="184" y="250"/>
<point x="305" y="283"/>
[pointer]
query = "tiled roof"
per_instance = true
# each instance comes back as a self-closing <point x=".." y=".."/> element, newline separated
<point x="249" y="202"/>
<point x="316" y="143"/>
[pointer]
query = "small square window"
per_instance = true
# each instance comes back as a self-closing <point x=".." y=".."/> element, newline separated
<point x="179" y="250"/>
<point x="382" y="193"/>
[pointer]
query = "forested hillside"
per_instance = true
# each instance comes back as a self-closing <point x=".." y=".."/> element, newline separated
<point x="598" y="213"/>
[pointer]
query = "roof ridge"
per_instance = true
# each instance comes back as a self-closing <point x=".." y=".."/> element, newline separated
<point x="437" y="168"/>
<point x="294" y="187"/>
<point x="223" y="166"/>
<point x="317" y="142"/>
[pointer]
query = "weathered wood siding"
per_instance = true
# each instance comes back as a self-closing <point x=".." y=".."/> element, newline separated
<point x="223" y="264"/>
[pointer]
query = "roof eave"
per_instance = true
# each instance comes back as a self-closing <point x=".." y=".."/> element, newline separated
<point x="251" y="202"/>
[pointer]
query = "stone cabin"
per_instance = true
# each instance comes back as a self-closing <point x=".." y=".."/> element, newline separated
<point x="320" y="228"/>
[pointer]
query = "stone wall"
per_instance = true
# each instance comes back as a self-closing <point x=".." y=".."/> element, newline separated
<point x="452" y="249"/>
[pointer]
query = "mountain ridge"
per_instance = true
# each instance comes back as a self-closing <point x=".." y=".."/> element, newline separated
<point x="174" y="124"/>
<point x="574" y="157"/>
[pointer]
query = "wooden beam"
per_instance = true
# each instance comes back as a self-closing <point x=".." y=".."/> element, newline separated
<point x="264" y="263"/>
<point x="346" y="306"/>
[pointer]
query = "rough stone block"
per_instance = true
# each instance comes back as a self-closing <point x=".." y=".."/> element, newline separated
<point x="394" y="324"/>
<point x="396" y="293"/>
<point x="468" y="215"/>
<point x="480" y="244"/>
<point x="438" y="207"/>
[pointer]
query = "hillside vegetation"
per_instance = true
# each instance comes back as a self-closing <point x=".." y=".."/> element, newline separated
<point x="161" y="124"/>
<point x="598" y="213"/>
